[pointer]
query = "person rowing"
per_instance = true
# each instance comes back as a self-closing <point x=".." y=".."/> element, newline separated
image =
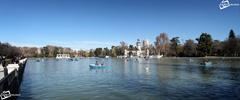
<point x="97" y="63"/>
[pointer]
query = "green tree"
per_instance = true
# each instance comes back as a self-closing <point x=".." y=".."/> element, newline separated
<point x="231" y="34"/>
<point x="106" y="52"/>
<point x="45" y="51"/>
<point x="238" y="46"/>
<point x="204" y="44"/>
<point x="231" y="45"/>
<point x="131" y="47"/>
<point x="119" y="51"/>
<point x="174" y="46"/>
<point x="56" y="51"/>
<point x="98" y="52"/>
<point x="91" y="53"/>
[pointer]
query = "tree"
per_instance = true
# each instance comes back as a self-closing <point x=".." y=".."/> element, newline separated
<point x="231" y="34"/>
<point x="45" y="51"/>
<point x="231" y="45"/>
<point x="113" y="51"/>
<point x="204" y="44"/>
<point x="98" y="52"/>
<point x="91" y="53"/>
<point x="238" y="46"/>
<point x="152" y="50"/>
<point x="82" y="53"/>
<point x="189" y="48"/>
<point x="30" y="51"/>
<point x="119" y="51"/>
<point x="131" y="47"/>
<point x="9" y="51"/>
<point x="217" y="48"/>
<point x="123" y="46"/>
<point x="174" y="46"/>
<point x="56" y="51"/>
<point x="106" y="52"/>
<point x="162" y="43"/>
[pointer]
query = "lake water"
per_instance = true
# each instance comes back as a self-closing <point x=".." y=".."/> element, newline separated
<point x="155" y="79"/>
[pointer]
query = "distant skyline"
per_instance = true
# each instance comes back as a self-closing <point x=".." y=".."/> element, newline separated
<point x="86" y="24"/>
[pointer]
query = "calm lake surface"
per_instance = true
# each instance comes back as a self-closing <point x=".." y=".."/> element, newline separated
<point x="155" y="79"/>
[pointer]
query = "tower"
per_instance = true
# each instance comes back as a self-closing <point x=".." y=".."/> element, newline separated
<point x="138" y="44"/>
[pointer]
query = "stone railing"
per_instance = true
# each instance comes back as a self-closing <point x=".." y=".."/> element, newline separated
<point x="11" y="80"/>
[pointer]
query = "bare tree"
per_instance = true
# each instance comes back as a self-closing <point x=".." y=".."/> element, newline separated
<point x="162" y="43"/>
<point x="189" y="48"/>
<point x="123" y="46"/>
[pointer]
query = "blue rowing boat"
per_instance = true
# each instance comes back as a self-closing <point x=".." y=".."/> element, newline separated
<point x="97" y="66"/>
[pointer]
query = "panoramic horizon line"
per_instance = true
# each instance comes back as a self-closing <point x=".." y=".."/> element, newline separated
<point x="79" y="45"/>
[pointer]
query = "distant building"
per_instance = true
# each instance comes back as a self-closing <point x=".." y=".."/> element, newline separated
<point x="63" y="56"/>
<point x="39" y="51"/>
<point x="141" y="50"/>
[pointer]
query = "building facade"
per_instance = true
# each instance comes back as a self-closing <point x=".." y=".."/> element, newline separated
<point x="140" y="51"/>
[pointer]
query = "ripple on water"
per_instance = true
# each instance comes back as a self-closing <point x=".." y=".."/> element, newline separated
<point x="166" y="79"/>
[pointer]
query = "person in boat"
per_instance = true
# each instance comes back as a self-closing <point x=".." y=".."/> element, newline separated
<point x="96" y="63"/>
<point x="205" y="62"/>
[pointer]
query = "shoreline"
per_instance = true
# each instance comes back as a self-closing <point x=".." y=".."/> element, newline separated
<point x="209" y="57"/>
<point x="204" y="57"/>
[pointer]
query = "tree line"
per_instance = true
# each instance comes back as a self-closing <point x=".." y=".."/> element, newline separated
<point x="205" y="45"/>
<point x="9" y="51"/>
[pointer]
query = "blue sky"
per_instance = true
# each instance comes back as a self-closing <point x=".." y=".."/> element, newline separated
<point x="85" y="24"/>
